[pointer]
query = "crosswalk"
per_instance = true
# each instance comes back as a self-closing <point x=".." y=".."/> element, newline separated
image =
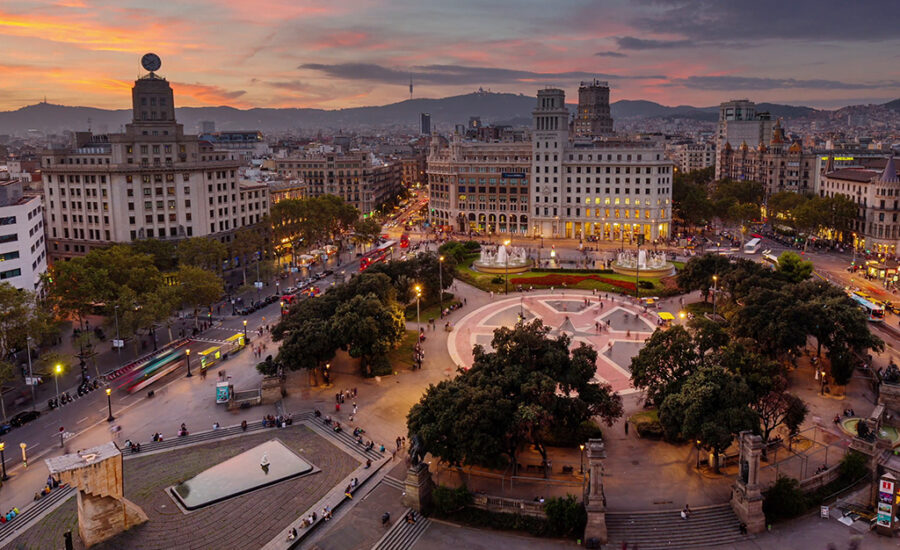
<point x="217" y="335"/>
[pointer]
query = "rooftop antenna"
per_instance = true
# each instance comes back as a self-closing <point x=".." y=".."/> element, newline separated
<point x="410" y="87"/>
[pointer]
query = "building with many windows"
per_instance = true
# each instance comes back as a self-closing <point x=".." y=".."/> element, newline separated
<point x="689" y="157"/>
<point x="739" y="122"/>
<point x="874" y="185"/>
<point x="358" y="177"/>
<point x="479" y="186"/>
<point x="611" y="189"/>
<point x="593" y="116"/>
<point x="23" y="250"/>
<point x="153" y="181"/>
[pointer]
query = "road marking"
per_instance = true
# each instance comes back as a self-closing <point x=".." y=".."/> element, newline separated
<point x="83" y="419"/>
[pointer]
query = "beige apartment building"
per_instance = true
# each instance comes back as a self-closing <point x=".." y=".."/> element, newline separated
<point x="151" y="182"/>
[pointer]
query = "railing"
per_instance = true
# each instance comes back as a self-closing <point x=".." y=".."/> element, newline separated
<point x="508" y="505"/>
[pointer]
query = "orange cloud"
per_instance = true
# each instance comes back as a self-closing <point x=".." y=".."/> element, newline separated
<point x="208" y="95"/>
<point x="88" y="34"/>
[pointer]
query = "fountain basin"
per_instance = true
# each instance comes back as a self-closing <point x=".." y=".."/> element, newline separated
<point x="502" y="259"/>
<point x="643" y="263"/>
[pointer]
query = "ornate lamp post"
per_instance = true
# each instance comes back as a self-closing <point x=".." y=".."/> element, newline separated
<point x="58" y="371"/>
<point x="187" y="354"/>
<point x="418" y="299"/>
<point x="3" y="460"/>
<point x="715" y="291"/>
<point x="109" y="418"/>
<point x="506" y="281"/>
<point x="581" y="454"/>
<point x="441" y="279"/>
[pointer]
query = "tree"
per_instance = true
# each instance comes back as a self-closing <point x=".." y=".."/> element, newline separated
<point x="666" y="359"/>
<point x="511" y="397"/>
<point x="74" y="287"/>
<point x="778" y="408"/>
<point x="698" y="273"/>
<point x="690" y="201"/>
<point x="793" y="268"/>
<point x="712" y="407"/>
<point x="308" y="346"/>
<point x="368" y="328"/>
<point x="844" y="212"/>
<point x="248" y="242"/>
<point x="366" y="230"/>
<point x="17" y="318"/>
<point x="782" y="205"/>
<point x="707" y="334"/>
<point x="425" y="270"/>
<point x="198" y="287"/>
<point x="164" y="254"/>
<point x="741" y="191"/>
<point x="202" y="252"/>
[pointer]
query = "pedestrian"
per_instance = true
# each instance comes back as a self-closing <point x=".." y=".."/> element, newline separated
<point x="337" y="407"/>
<point x="355" y="408"/>
<point x="626" y="427"/>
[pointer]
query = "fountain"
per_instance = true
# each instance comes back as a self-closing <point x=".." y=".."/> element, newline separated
<point x="502" y="259"/>
<point x="650" y="264"/>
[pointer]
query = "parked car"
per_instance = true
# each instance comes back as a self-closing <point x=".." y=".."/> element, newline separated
<point x="328" y="272"/>
<point x="5" y="429"/>
<point x="24" y="418"/>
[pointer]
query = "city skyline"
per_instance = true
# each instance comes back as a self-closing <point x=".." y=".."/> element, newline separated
<point x="280" y="53"/>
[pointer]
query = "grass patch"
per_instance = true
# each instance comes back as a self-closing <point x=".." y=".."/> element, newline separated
<point x="402" y="355"/>
<point x="699" y="308"/>
<point x="647" y="424"/>
<point x="430" y="311"/>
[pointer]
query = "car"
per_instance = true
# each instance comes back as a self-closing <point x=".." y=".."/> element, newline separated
<point x="290" y="290"/>
<point x="5" y="429"/>
<point x="24" y="418"/>
<point x="328" y="272"/>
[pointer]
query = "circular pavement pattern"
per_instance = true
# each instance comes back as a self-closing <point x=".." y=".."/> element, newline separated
<point x="612" y="324"/>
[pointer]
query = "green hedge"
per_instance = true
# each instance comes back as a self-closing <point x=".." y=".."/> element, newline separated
<point x="572" y="438"/>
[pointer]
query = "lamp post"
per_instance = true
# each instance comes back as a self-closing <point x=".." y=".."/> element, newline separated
<point x="24" y="456"/>
<point x="418" y="298"/>
<point x="3" y="460"/>
<point x="245" y="331"/>
<point x="281" y="305"/>
<point x="187" y="354"/>
<point x="441" y="280"/>
<point x="56" y="378"/>
<point x="30" y="373"/>
<point x="682" y="315"/>
<point x="109" y="418"/>
<point x="506" y="281"/>
<point x="715" y="291"/>
<point x="698" y="455"/>
<point x="581" y="454"/>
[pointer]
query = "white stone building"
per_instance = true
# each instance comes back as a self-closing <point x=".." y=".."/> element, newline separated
<point x="23" y="250"/>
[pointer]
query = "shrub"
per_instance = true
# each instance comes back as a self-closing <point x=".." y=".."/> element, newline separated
<point x="559" y="437"/>
<point x="649" y="430"/>
<point x="380" y="366"/>
<point x="449" y="500"/>
<point x="498" y="280"/>
<point x="853" y="466"/>
<point x="566" y="517"/>
<point x="267" y="367"/>
<point x="784" y="500"/>
<point x="472" y="246"/>
<point x="645" y="285"/>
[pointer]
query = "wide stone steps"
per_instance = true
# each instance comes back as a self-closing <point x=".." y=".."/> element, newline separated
<point x="33" y="512"/>
<point x="403" y="535"/>
<point x="198" y="437"/>
<point x="707" y="526"/>
<point x="393" y="482"/>
<point x="346" y="439"/>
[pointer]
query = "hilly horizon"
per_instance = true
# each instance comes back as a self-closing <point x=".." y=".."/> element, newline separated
<point x="492" y="107"/>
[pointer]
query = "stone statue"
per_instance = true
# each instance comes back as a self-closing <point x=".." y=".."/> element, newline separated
<point x="416" y="450"/>
<point x="264" y="463"/>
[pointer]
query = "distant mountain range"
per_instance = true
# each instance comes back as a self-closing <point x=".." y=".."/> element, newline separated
<point x="445" y="113"/>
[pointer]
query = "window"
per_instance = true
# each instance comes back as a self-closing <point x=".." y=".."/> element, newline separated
<point x="9" y="238"/>
<point x="10" y="274"/>
<point x="8" y="220"/>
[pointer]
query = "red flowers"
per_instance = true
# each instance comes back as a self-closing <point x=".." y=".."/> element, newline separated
<point x="557" y="280"/>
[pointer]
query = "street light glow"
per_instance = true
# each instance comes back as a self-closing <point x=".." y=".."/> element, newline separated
<point x="58" y="369"/>
<point x="108" y="391"/>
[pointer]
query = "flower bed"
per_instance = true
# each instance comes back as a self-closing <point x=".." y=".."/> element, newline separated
<point x="557" y="280"/>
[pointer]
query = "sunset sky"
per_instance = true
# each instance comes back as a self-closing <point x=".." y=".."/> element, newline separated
<point x="334" y="53"/>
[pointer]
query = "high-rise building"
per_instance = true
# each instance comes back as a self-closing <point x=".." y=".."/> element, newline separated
<point x="612" y="189"/>
<point x="23" y="250"/>
<point x="693" y="156"/>
<point x="425" y="124"/>
<point x="153" y="181"/>
<point x="474" y="122"/>
<point x="739" y="122"/>
<point x="207" y="126"/>
<point x="593" y="117"/>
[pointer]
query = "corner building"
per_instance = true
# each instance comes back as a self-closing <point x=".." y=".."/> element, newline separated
<point x="151" y="182"/>
<point x="613" y="190"/>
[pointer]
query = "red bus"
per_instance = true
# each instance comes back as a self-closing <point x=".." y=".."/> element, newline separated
<point x="376" y="255"/>
<point x="404" y="240"/>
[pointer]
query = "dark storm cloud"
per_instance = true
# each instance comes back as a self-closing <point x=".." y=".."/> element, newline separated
<point x="452" y="74"/>
<point x="610" y="54"/>
<point x="708" y="21"/>
<point x="634" y="43"/>
<point x="754" y="83"/>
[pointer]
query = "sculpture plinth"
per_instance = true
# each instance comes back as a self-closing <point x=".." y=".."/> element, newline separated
<point x="417" y="487"/>
<point x="746" y="494"/>
<point x="594" y="498"/>
<point x="103" y="510"/>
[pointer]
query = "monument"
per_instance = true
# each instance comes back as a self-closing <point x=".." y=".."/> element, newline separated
<point x="103" y="510"/>
<point x="746" y="494"/>
<point x="502" y="259"/>
<point x="594" y="499"/>
<point x="647" y="263"/>
<point x="418" y="484"/>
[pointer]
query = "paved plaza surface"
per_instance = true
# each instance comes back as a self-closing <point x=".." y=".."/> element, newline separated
<point x="613" y="325"/>
<point x="246" y="521"/>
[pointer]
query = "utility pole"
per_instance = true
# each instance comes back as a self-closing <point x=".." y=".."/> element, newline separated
<point x="30" y="372"/>
<point x="116" y="313"/>
<point x="637" y="263"/>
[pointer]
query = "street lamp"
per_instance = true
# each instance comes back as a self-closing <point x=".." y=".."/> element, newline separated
<point x="418" y="299"/>
<point x="698" y="454"/>
<point x="56" y="378"/>
<point x="3" y="460"/>
<point x="116" y="313"/>
<point x="715" y="291"/>
<point x="245" y="330"/>
<point x="187" y="354"/>
<point x="682" y="315"/>
<point x="30" y="373"/>
<point x="581" y="454"/>
<point x="441" y="279"/>
<point x="281" y="306"/>
<point x="109" y="418"/>
<point x="506" y="282"/>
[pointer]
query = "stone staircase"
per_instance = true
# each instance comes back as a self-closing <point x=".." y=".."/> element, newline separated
<point x="707" y="526"/>
<point x="34" y="512"/>
<point x="198" y="437"/>
<point x="403" y="535"/>
<point x="344" y="437"/>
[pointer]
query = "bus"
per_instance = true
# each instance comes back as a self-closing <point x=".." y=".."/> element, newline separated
<point x="770" y="260"/>
<point x="376" y="255"/>
<point x="874" y="311"/>
<point x="404" y="240"/>
<point x="752" y="246"/>
<point x="153" y="370"/>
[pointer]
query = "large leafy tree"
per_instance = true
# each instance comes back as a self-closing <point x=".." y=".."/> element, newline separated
<point x="698" y="273"/>
<point x="711" y="407"/>
<point x="665" y="361"/>
<point x="530" y="385"/>
<point x="425" y="270"/>
<point x="369" y="327"/>
<point x="203" y="253"/>
<point x="249" y="242"/>
<point x="198" y="287"/>
<point x="365" y="231"/>
<point x="793" y="268"/>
